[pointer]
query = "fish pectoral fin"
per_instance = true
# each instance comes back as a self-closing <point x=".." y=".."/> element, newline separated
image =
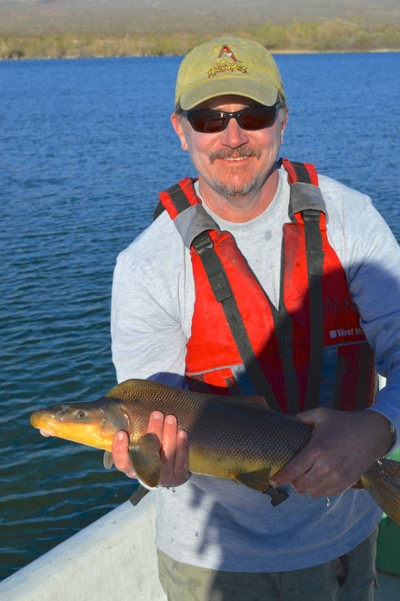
<point x="146" y="460"/>
<point x="255" y="480"/>
<point x="108" y="460"/>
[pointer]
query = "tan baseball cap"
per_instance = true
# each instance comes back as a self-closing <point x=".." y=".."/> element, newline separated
<point x="228" y="65"/>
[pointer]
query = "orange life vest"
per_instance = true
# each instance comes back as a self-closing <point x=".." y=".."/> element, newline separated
<point x="309" y="351"/>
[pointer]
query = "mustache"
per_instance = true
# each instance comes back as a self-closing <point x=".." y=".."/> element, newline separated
<point x="235" y="153"/>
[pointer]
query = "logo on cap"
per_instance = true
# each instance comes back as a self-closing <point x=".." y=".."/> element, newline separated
<point x="226" y="61"/>
<point x="226" y="51"/>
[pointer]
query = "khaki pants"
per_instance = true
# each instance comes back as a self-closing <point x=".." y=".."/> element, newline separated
<point x="183" y="582"/>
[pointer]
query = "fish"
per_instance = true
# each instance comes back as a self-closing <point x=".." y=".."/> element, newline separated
<point x="239" y="438"/>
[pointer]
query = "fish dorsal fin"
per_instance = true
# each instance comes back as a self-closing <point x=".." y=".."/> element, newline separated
<point x="244" y="402"/>
<point x="108" y="460"/>
<point x="124" y="391"/>
<point x="146" y="461"/>
<point x="120" y="390"/>
<point x="256" y="480"/>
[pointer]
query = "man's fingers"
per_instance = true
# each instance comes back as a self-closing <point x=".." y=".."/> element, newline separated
<point x="181" y="465"/>
<point x="311" y="416"/>
<point x="328" y="486"/>
<point x="174" y="450"/>
<point x="168" y="450"/>
<point x="156" y="425"/>
<point x="329" y="464"/>
<point x="174" y="453"/>
<point x="292" y="471"/>
<point x="120" y="454"/>
<point x="169" y="439"/>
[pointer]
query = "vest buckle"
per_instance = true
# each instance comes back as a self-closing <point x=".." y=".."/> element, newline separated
<point x="311" y="215"/>
<point x="202" y="243"/>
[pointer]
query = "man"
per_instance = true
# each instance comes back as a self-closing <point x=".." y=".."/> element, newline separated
<point x="304" y="341"/>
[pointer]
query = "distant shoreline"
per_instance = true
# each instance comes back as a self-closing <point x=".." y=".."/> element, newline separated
<point x="273" y="52"/>
<point x="334" y="36"/>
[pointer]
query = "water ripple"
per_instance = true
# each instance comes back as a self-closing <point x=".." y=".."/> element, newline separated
<point x="86" y="146"/>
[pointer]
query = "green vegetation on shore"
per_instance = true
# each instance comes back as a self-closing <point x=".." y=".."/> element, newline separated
<point x="322" y="36"/>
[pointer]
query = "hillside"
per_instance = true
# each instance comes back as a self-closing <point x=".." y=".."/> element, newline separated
<point x="33" y="18"/>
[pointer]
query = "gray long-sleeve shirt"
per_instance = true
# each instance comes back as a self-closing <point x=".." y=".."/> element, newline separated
<point x="213" y="522"/>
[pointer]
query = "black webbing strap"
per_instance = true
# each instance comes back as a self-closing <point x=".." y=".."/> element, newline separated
<point x="284" y="328"/>
<point x="198" y="385"/>
<point x="302" y="174"/>
<point x="220" y="285"/>
<point x="138" y="495"/>
<point x="340" y="371"/>
<point x="366" y="364"/>
<point x="315" y="261"/>
<point x="344" y="563"/>
<point x="178" y="198"/>
<point x="158" y="210"/>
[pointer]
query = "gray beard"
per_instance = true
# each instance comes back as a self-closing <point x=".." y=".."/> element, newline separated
<point x="232" y="189"/>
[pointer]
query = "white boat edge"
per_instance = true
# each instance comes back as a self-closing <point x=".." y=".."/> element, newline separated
<point x="112" y="559"/>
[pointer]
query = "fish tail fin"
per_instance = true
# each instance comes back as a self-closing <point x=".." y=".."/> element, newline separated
<point x="382" y="481"/>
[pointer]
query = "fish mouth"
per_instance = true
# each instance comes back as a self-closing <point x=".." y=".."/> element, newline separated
<point x="44" y="421"/>
<point x="47" y="433"/>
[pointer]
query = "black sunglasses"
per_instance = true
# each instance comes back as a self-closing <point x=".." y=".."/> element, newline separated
<point x="207" y="121"/>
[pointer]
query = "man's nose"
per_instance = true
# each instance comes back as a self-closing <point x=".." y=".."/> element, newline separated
<point x="233" y="135"/>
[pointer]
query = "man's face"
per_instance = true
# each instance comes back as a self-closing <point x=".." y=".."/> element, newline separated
<point x="235" y="162"/>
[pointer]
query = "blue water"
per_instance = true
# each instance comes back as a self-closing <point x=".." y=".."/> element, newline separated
<point x="85" y="147"/>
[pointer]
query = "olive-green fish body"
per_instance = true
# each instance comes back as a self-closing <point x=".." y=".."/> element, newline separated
<point x="226" y="436"/>
<point x="229" y="437"/>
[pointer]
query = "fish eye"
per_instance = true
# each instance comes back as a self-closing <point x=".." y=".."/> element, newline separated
<point x="80" y="414"/>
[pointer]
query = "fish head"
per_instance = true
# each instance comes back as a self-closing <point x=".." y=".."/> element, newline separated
<point x="93" y="424"/>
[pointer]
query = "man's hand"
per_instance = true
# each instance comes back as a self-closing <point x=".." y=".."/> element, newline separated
<point x="343" y="445"/>
<point x="174" y="450"/>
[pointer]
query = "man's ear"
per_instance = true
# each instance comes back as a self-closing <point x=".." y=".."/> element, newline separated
<point x="284" y="123"/>
<point x="176" y="120"/>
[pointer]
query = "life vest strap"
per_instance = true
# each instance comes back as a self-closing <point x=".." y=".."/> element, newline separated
<point x="177" y="198"/>
<point x="220" y="285"/>
<point x="305" y="197"/>
<point x="366" y="366"/>
<point x="192" y="222"/>
<point x="300" y="172"/>
<point x="284" y="334"/>
<point x="315" y="261"/>
<point x="138" y="495"/>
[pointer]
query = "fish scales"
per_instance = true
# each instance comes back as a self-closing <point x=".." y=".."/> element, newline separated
<point x="217" y="429"/>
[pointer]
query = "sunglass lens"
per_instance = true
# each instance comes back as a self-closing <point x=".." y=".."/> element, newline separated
<point x="208" y="122"/>
<point x="257" y="118"/>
